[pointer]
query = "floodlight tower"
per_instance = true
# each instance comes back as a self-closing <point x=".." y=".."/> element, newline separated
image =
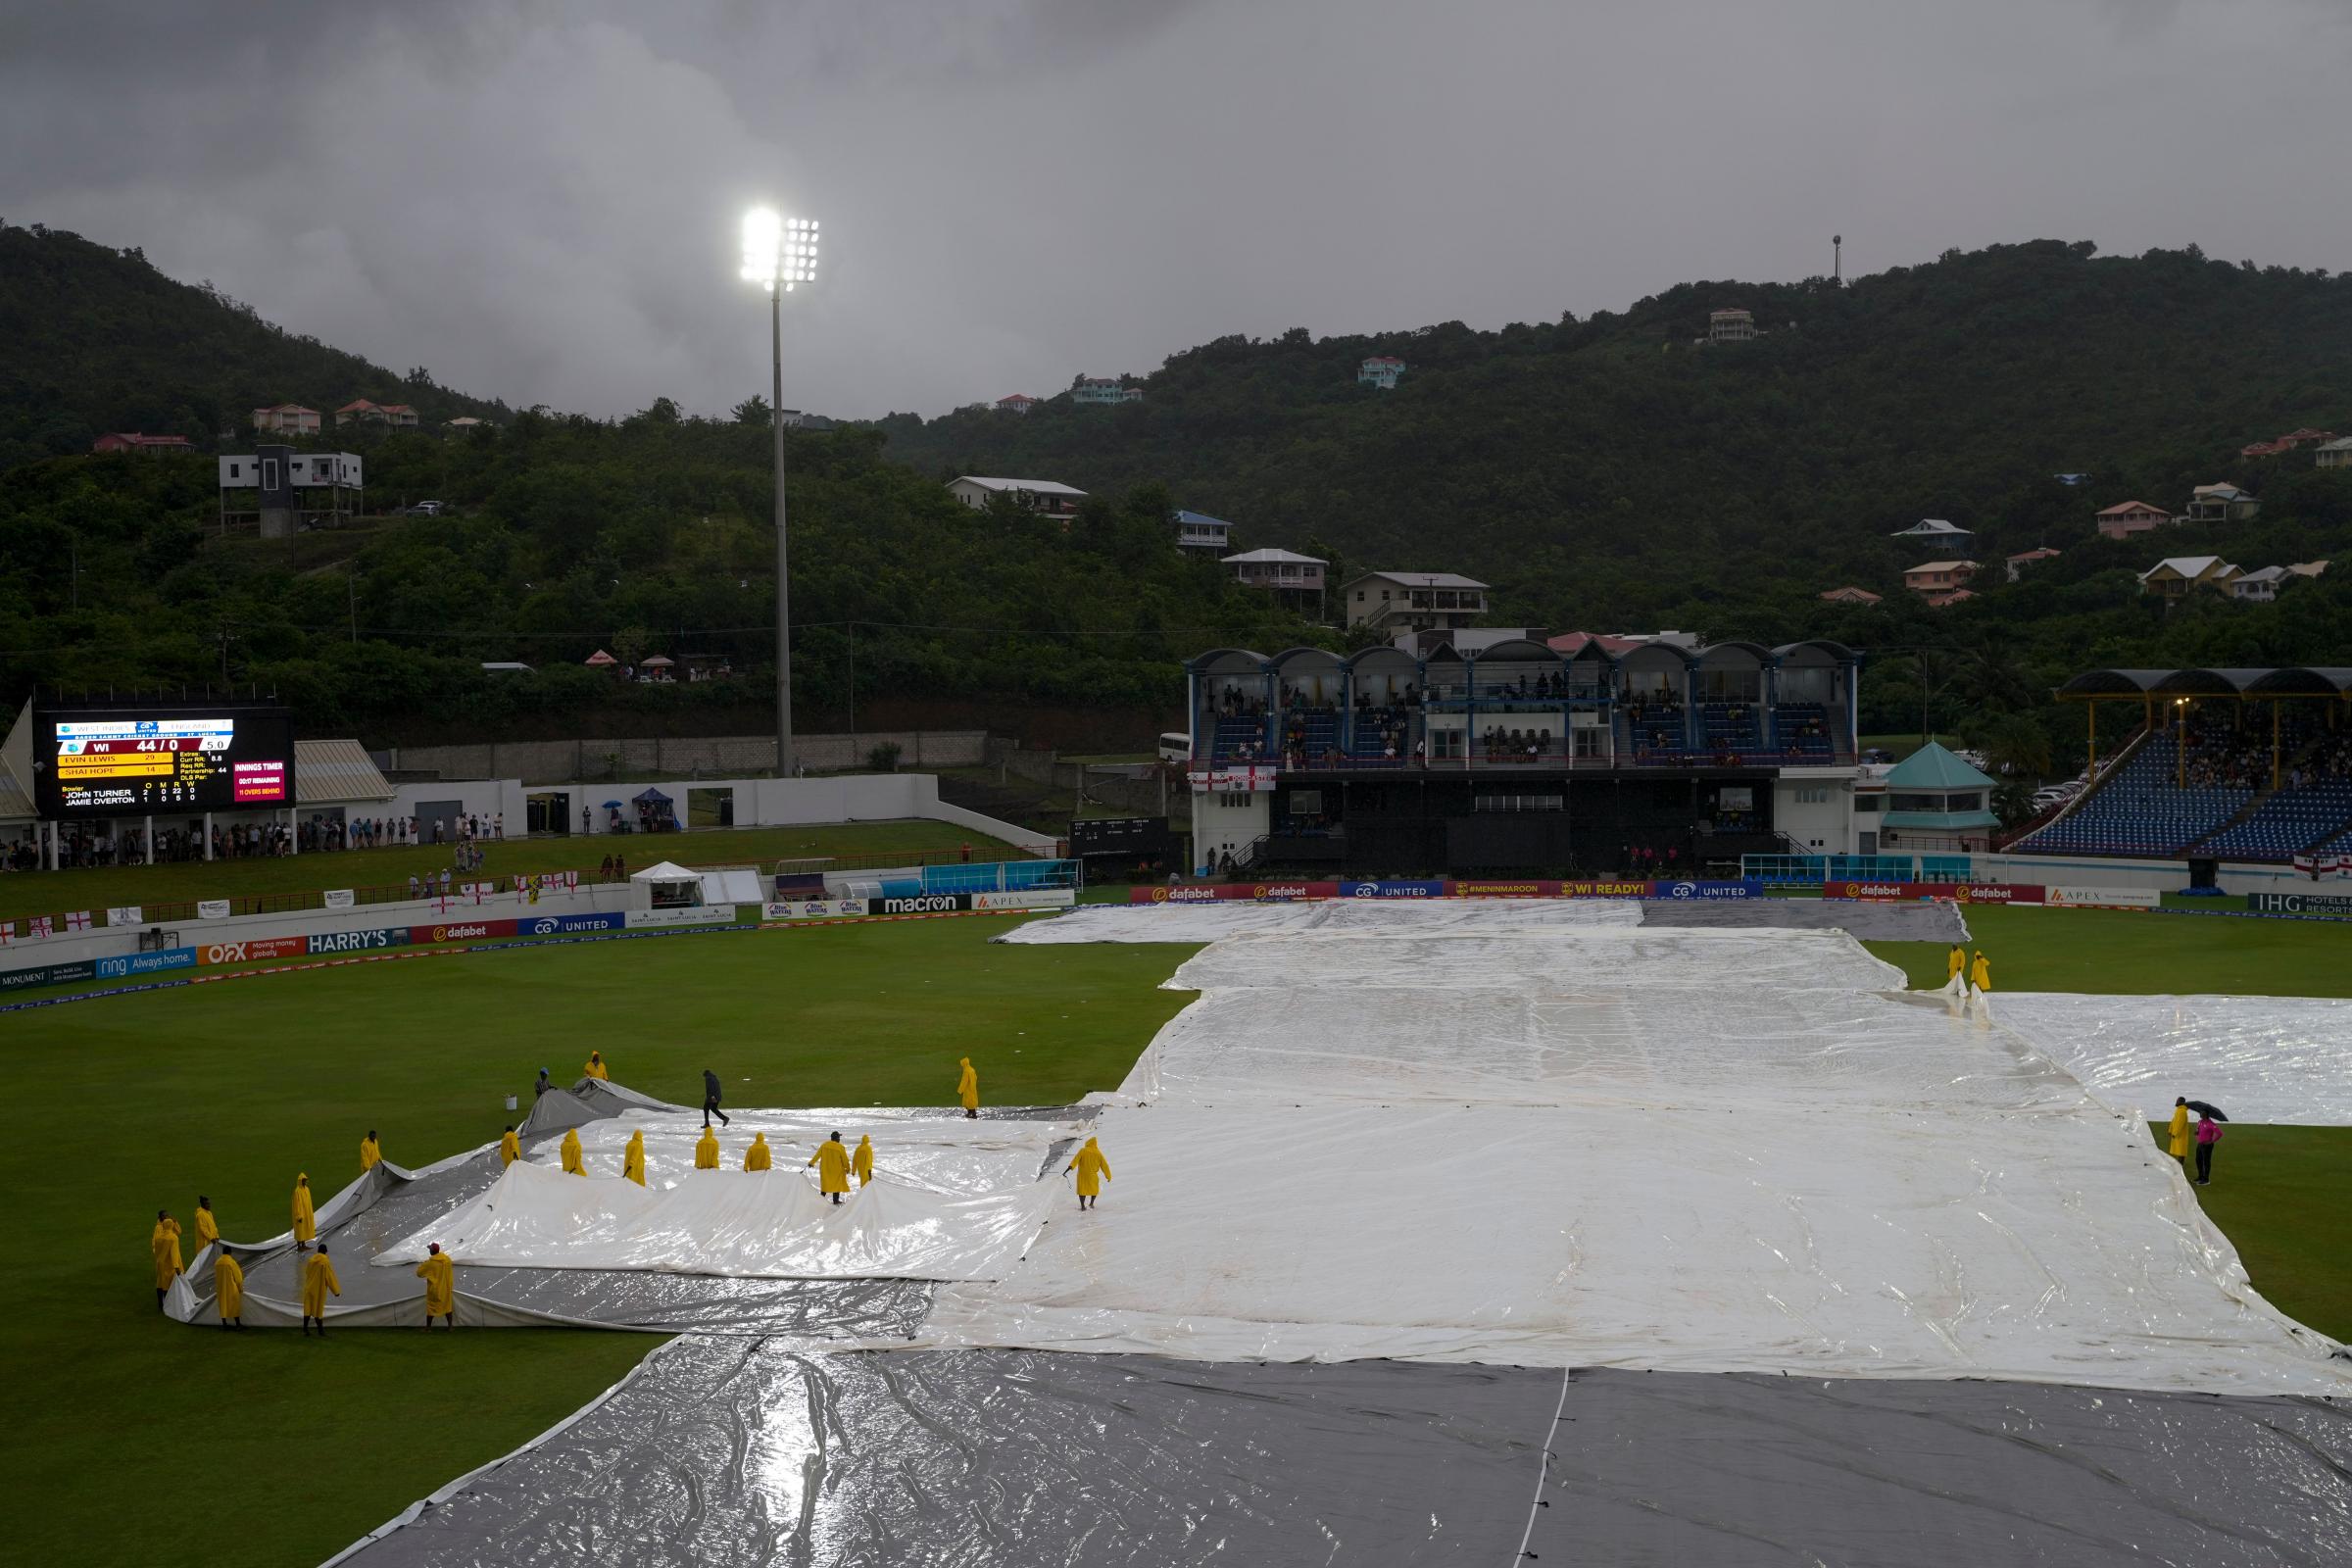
<point x="778" y="254"/>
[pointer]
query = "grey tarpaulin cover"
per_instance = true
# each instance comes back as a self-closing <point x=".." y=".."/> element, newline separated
<point x="725" y="1454"/>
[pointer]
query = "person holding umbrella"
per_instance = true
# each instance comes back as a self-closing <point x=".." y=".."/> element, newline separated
<point x="2209" y="1133"/>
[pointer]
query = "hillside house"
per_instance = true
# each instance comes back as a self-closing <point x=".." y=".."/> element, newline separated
<point x="1958" y="596"/>
<point x="1043" y="496"/>
<point x="286" y="419"/>
<point x="1391" y="601"/>
<point x="1015" y="403"/>
<point x="151" y="445"/>
<point x="1940" y="576"/>
<point x="1935" y="533"/>
<point x="1850" y="595"/>
<point x="2026" y="557"/>
<point x="1380" y="371"/>
<point x="2220" y="503"/>
<point x="1731" y="324"/>
<point x="1294" y="579"/>
<point x="2128" y="517"/>
<point x="2259" y="586"/>
<point x="2178" y="577"/>
<point x="2307" y="568"/>
<point x="1198" y="530"/>
<point x="1103" y="390"/>
<point x="2333" y="453"/>
<point x="359" y="410"/>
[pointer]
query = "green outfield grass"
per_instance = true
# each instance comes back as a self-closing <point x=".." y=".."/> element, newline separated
<point x="2277" y="1194"/>
<point x="2123" y="952"/>
<point x="141" y="1440"/>
<point x="112" y="887"/>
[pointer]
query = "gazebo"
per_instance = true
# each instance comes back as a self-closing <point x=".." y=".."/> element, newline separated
<point x="1934" y="792"/>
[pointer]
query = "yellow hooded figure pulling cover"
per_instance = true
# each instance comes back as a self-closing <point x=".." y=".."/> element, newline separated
<point x="305" y="1223"/>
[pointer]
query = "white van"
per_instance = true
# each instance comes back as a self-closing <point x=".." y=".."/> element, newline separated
<point x="1175" y="746"/>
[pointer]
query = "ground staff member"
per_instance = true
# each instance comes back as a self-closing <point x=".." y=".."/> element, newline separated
<point x="832" y="1163"/>
<point x="2180" y="1143"/>
<point x="440" y="1275"/>
<point x="163" y="1244"/>
<point x="317" y="1279"/>
<point x="710" y="1098"/>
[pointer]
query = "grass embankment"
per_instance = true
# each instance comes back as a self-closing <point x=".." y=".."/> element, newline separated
<point x="300" y="1445"/>
<point x="103" y="888"/>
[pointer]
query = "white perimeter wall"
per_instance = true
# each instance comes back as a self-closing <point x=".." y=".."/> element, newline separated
<point x="2165" y="876"/>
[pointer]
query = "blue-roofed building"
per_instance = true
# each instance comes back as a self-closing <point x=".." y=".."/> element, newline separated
<point x="1198" y="530"/>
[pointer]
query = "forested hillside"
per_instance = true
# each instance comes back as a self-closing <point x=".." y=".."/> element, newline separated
<point x="1603" y="474"/>
<point x="97" y="339"/>
<point x="1609" y="471"/>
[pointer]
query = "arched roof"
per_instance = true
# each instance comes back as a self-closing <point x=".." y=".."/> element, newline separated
<point x="1755" y="651"/>
<point x="1836" y="650"/>
<point x="1227" y="662"/>
<point x="1518" y="647"/>
<point x="2305" y="681"/>
<point x="1292" y="660"/>
<point x="2208" y="682"/>
<point x="2300" y="680"/>
<point x="1382" y="656"/>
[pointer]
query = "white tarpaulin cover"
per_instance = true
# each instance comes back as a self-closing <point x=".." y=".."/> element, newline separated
<point x="944" y="1154"/>
<point x="769" y="1224"/>
<point x="1213" y="922"/>
<point x="1586" y="1145"/>
<point x="2260" y="1059"/>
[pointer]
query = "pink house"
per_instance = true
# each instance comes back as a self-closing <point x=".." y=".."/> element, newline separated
<point x="2128" y="517"/>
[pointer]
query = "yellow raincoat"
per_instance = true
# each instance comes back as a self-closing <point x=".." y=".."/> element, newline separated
<point x="861" y="1160"/>
<point x="832" y="1163"/>
<point x="1093" y="1170"/>
<point x="1955" y="962"/>
<point x="510" y="1149"/>
<point x="1980" y="974"/>
<point x="758" y="1157"/>
<point x="305" y="1223"/>
<point x="2180" y="1131"/>
<point x="317" y="1279"/>
<point x="596" y="1067"/>
<point x="967" y="1086"/>
<point x="572" y="1163"/>
<point x="229" y="1284"/>
<point x="369" y="1153"/>
<point x="208" y="1228"/>
<point x="632" y="1159"/>
<point x="706" y="1150"/>
<point x="164" y="1245"/>
<point x="440" y="1276"/>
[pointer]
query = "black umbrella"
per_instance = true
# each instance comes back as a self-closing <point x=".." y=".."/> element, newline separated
<point x="2203" y="1110"/>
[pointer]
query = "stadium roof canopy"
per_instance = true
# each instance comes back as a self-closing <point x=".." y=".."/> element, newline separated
<point x="2296" y="681"/>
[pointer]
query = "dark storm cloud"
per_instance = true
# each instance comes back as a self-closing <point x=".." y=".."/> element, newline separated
<point x="537" y="200"/>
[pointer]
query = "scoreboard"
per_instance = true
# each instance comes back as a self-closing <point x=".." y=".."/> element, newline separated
<point x="129" y="762"/>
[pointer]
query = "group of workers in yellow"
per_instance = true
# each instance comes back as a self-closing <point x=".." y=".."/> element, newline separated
<point x="1979" y="969"/>
<point x="834" y="1160"/>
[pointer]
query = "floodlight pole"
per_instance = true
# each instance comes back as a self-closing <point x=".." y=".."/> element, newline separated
<point x="775" y="338"/>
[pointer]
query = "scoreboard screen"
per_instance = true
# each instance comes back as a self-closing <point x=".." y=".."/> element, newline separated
<point x="127" y="762"/>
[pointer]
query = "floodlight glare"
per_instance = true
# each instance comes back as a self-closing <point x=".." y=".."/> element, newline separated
<point x="762" y="230"/>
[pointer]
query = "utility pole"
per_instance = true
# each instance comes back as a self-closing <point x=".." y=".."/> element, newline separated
<point x="351" y="584"/>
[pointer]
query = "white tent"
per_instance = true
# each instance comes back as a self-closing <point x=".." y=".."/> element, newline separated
<point x="670" y="886"/>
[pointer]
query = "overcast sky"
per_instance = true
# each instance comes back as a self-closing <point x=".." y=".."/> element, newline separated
<point x="538" y="200"/>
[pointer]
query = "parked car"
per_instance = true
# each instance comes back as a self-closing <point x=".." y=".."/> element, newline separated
<point x="424" y="508"/>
